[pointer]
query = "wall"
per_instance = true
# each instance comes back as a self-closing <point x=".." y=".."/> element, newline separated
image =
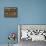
<point x="29" y="12"/>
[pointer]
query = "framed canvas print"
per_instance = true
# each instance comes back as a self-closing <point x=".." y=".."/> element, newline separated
<point x="10" y="12"/>
<point x="32" y="32"/>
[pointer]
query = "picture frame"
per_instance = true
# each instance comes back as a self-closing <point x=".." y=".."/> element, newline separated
<point x="10" y="11"/>
<point x="38" y="32"/>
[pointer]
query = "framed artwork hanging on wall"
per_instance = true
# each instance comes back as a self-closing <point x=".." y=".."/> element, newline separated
<point x="10" y="12"/>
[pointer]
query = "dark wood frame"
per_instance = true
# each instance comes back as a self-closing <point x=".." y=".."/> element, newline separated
<point x="10" y="11"/>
